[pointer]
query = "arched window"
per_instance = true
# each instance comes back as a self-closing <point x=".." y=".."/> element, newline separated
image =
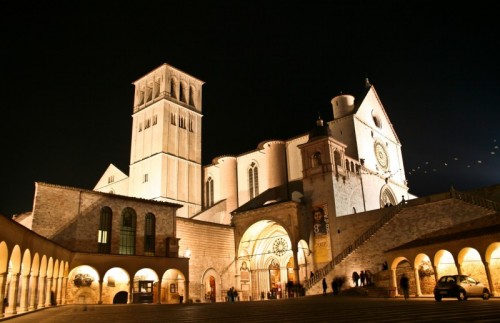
<point x="316" y="160"/>
<point x="149" y="235"/>
<point x="127" y="232"/>
<point x="253" y="180"/>
<point x="173" y="88"/>
<point x="191" y="96"/>
<point x="156" y="89"/>
<point x="140" y="95"/>
<point x="336" y="157"/>
<point x="209" y="189"/>
<point x="182" y="92"/>
<point x="104" y="233"/>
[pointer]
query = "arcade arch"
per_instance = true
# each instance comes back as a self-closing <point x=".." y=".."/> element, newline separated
<point x="268" y="259"/>
<point x="466" y="260"/>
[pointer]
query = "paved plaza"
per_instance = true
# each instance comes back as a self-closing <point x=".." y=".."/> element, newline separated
<point x="304" y="309"/>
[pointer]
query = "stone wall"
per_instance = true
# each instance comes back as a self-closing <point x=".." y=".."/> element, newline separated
<point x="212" y="250"/>
<point x="409" y="224"/>
<point x="71" y="217"/>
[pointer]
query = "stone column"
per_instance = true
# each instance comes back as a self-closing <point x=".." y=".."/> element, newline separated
<point x="23" y="301"/>
<point x="158" y="293"/>
<point x="488" y="277"/>
<point x="41" y="292"/>
<point x="417" y="282"/>
<point x="100" y="292"/>
<point x="64" y="289"/>
<point x="58" y="290"/>
<point x="130" y="289"/>
<point x="394" y="280"/>
<point x="3" y="280"/>
<point x="13" y="290"/>
<point x="186" y="291"/>
<point x="34" y="292"/>
<point x="48" y="292"/>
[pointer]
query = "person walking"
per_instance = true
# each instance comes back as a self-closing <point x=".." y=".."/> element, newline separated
<point x="355" y="278"/>
<point x="362" y="278"/>
<point x="405" y="286"/>
<point x="324" y="286"/>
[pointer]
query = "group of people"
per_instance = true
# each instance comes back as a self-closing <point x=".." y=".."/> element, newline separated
<point x="232" y="294"/>
<point x="337" y="284"/>
<point x="364" y="278"/>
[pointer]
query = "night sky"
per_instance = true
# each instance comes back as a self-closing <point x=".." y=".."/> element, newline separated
<point x="269" y="67"/>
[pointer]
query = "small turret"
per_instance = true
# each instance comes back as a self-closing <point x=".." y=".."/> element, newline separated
<point x="343" y="105"/>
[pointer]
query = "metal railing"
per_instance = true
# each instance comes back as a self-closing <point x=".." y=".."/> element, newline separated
<point x="474" y="199"/>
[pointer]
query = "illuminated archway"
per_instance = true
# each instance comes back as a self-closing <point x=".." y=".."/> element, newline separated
<point x="471" y="264"/>
<point x="173" y="287"/>
<point x="83" y="286"/>
<point x="492" y="258"/>
<point x="424" y="275"/>
<point x="261" y="244"/>
<point x="444" y="264"/>
<point x="115" y="281"/>
<point x="145" y="286"/>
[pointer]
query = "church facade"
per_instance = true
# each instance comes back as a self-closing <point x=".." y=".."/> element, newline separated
<point x="291" y="212"/>
<point x="351" y="164"/>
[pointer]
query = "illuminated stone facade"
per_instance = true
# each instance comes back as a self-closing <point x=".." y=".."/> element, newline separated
<point x="327" y="202"/>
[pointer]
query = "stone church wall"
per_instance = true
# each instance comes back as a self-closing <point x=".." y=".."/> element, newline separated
<point x="212" y="249"/>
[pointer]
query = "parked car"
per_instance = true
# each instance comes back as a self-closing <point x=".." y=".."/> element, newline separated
<point x="461" y="287"/>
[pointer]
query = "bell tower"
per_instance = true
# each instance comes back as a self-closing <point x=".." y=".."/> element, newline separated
<point x="165" y="157"/>
<point x="322" y="158"/>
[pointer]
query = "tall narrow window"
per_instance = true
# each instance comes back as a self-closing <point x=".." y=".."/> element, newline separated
<point x="149" y="235"/>
<point x="182" y="93"/>
<point x="209" y="189"/>
<point x="172" y="89"/>
<point x="140" y="95"/>
<point x="253" y="180"/>
<point x="127" y="232"/>
<point x="104" y="233"/>
<point x="191" y="96"/>
<point x="156" y="91"/>
<point x="149" y="93"/>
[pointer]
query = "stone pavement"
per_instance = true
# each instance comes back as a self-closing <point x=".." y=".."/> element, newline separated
<point x="303" y="309"/>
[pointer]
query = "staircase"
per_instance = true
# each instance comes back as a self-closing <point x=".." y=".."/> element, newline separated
<point x="323" y="272"/>
<point x="475" y="200"/>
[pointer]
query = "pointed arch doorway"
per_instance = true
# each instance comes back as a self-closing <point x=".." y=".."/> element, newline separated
<point x="266" y="250"/>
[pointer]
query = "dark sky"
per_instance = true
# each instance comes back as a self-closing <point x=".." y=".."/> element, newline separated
<point x="270" y="67"/>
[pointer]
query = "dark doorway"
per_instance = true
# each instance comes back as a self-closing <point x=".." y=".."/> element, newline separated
<point x="120" y="298"/>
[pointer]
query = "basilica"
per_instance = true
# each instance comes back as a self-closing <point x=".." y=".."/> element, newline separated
<point x="269" y="223"/>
